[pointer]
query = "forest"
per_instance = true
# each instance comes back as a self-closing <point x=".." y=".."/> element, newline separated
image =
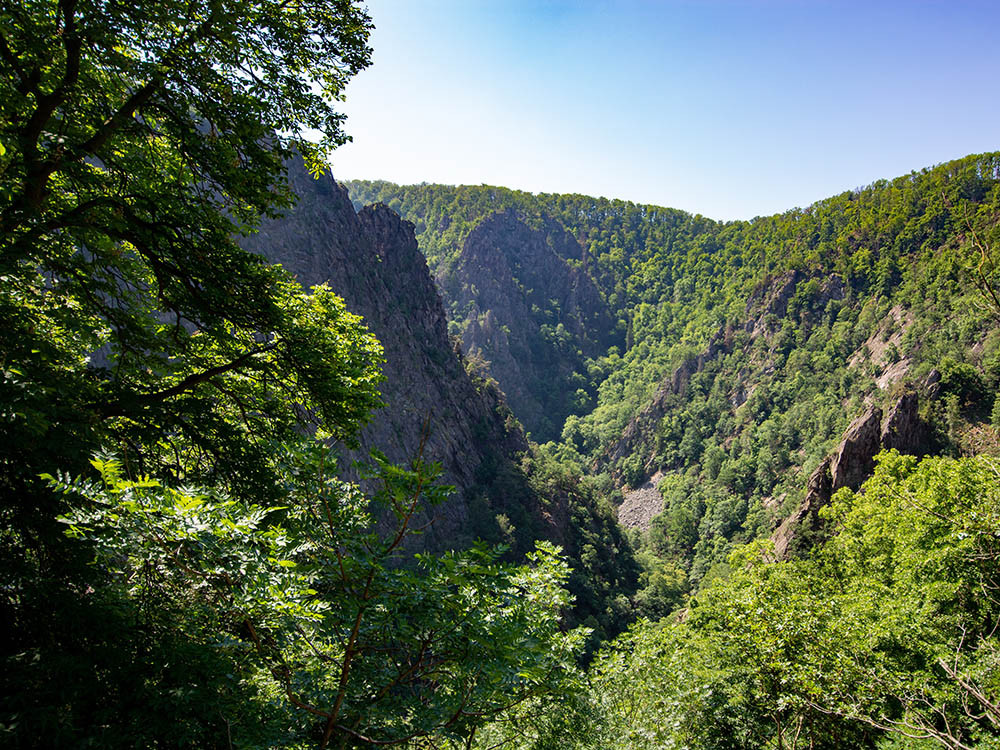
<point x="735" y="484"/>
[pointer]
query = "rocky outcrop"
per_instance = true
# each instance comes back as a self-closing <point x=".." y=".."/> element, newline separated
<point x="771" y="299"/>
<point x="529" y="314"/>
<point x="903" y="429"/>
<point x="769" y="302"/>
<point x="852" y="463"/>
<point x="371" y="259"/>
<point x="854" y="459"/>
<point x="881" y="349"/>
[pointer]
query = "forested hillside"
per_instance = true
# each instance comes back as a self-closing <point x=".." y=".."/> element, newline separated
<point x="438" y="407"/>
<point x="252" y="495"/>
<point x="742" y="351"/>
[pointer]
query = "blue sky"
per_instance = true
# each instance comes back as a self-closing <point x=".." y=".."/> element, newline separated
<point x="727" y="108"/>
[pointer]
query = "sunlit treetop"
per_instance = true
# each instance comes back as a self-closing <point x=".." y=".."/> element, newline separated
<point x="137" y="141"/>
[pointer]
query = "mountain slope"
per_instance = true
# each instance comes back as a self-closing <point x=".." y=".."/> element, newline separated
<point x="371" y="259"/>
<point x="437" y="404"/>
<point x="531" y="315"/>
<point x="749" y="347"/>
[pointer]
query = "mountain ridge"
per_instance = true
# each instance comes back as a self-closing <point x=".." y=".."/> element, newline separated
<point x="749" y="345"/>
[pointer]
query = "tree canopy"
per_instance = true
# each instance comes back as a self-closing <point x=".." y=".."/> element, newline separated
<point x="139" y="140"/>
<point x="211" y="580"/>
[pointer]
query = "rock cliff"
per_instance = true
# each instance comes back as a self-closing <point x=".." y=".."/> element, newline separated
<point x="531" y="313"/>
<point x="371" y="259"/>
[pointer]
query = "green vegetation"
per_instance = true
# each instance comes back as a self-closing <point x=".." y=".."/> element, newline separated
<point x="746" y="349"/>
<point x="884" y="636"/>
<point x="330" y="625"/>
<point x="781" y="328"/>
<point x="182" y="563"/>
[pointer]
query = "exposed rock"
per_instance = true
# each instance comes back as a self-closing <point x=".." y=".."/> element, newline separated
<point x="904" y="430"/>
<point x="371" y="259"/>
<point x="852" y="463"/>
<point x="773" y="502"/>
<point x="881" y="349"/>
<point x="854" y="459"/>
<point x="530" y="314"/>
<point x="894" y="373"/>
<point x="932" y="383"/>
<point x="641" y="505"/>
<point x="847" y="466"/>
<point x="771" y="299"/>
<point x="832" y="289"/>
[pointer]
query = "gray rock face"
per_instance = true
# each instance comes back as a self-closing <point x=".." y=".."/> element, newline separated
<point x="641" y="505"/>
<point x="852" y="463"/>
<point x="854" y="459"/>
<point x="371" y="259"/>
<point x="904" y="430"/>
<point x="530" y="314"/>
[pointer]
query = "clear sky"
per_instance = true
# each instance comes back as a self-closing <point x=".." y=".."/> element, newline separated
<point x="727" y="108"/>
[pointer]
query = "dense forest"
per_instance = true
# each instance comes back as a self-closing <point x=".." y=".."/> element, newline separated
<point x="745" y="349"/>
<point x="709" y="485"/>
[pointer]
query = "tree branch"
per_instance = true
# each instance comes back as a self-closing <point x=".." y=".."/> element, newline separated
<point x="122" y="408"/>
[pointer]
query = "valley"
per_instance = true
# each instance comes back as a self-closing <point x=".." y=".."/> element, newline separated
<point x="735" y="356"/>
<point x="287" y="462"/>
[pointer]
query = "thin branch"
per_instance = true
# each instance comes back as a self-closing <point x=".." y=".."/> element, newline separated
<point x="123" y="408"/>
<point x="991" y="708"/>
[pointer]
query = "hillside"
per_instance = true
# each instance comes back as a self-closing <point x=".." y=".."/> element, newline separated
<point x="371" y="260"/>
<point x="735" y="355"/>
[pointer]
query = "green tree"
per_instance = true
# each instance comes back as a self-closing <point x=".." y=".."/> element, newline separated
<point x="885" y="636"/>
<point x="137" y="142"/>
<point x="917" y="553"/>
<point x="318" y="608"/>
<point x="657" y="686"/>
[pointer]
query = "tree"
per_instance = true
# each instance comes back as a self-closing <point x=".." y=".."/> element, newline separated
<point x="886" y="634"/>
<point x="137" y="141"/>
<point x="916" y="555"/>
<point x="317" y="608"/>
<point x="218" y="584"/>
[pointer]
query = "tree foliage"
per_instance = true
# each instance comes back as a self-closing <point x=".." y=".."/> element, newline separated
<point x="218" y="585"/>
<point x="319" y="610"/>
<point x="139" y="140"/>
<point x="886" y="635"/>
<point x="212" y="582"/>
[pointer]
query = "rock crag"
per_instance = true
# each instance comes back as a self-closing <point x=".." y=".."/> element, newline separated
<point x="530" y="314"/>
<point x="852" y="463"/>
<point x="371" y="259"/>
